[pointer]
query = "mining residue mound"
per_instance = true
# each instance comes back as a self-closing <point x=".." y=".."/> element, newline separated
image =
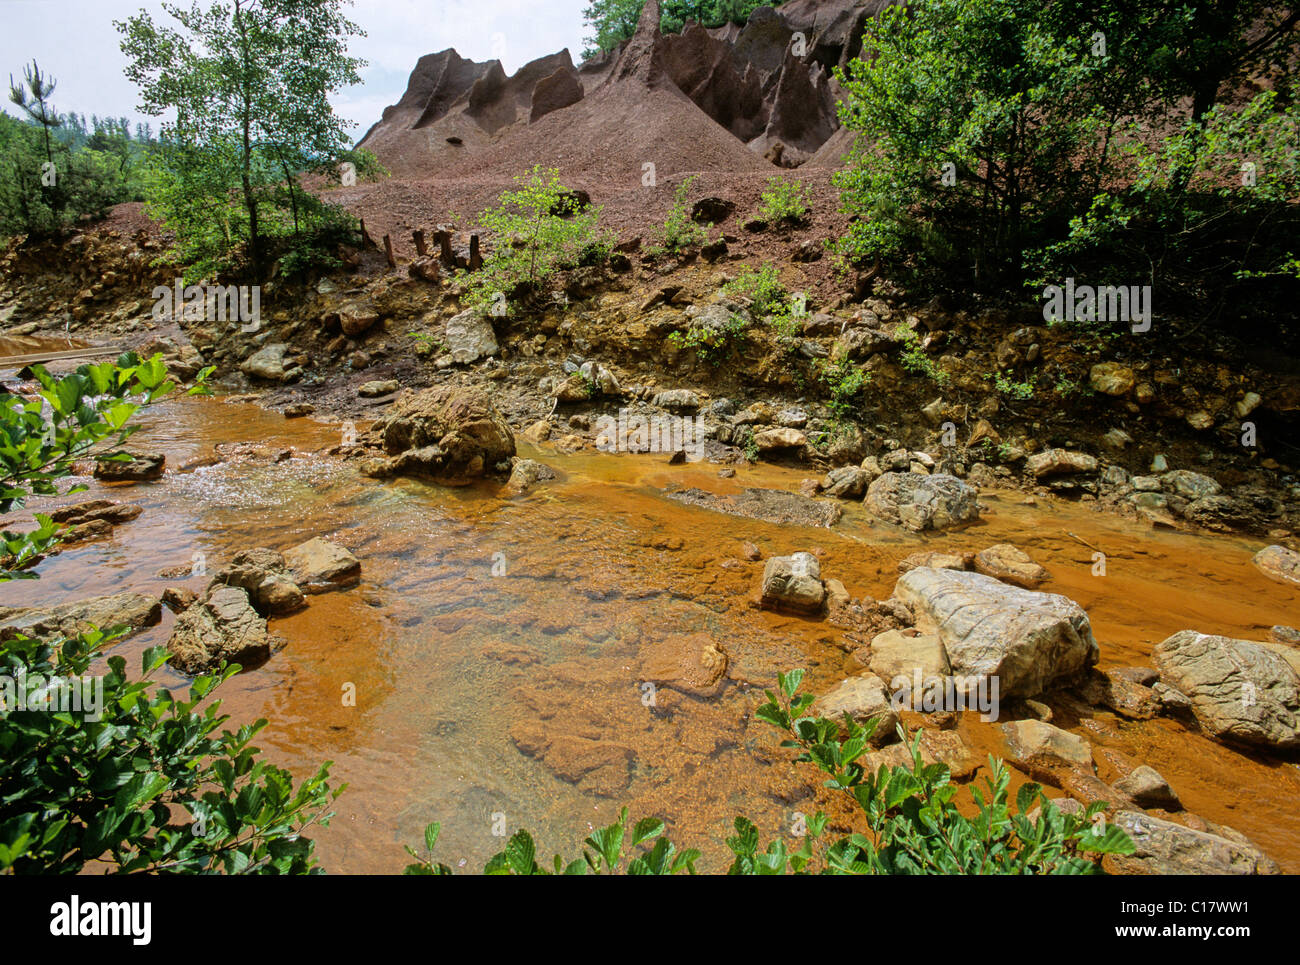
<point x="730" y="99"/>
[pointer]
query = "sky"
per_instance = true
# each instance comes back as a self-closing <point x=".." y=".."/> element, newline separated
<point x="76" y="43"/>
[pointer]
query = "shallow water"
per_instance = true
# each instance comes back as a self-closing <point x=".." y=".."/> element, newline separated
<point x="480" y="613"/>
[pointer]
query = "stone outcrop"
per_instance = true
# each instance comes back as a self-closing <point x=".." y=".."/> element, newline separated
<point x="768" y="83"/>
<point x="554" y="92"/>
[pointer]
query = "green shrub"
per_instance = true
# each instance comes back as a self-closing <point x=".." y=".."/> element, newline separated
<point x="711" y="344"/>
<point x="761" y="286"/>
<point x="680" y="231"/>
<point x="909" y="821"/>
<point x="784" y="202"/>
<point x="913" y="357"/>
<point x="844" y="382"/>
<point x="1009" y="387"/>
<point x="148" y="786"/>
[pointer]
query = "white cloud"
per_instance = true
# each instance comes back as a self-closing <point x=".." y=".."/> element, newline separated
<point x="75" y="42"/>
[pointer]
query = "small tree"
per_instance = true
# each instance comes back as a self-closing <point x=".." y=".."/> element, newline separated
<point x="249" y="82"/>
<point x="680" y="231"/>
<point x="48" y="177"/>
<point x="536" y="230"/>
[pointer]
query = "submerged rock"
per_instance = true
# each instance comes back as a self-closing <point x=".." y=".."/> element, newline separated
<point x="771" y="505"/>
<point x="1025" y="638"/>
<point x="1240" y="691"/>
<point x="318" y="566"/>
<point x="692" y="663"/>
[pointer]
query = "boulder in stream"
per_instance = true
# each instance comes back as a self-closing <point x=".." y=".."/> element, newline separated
<point x="920" y="502"/>
<point x="1025" y="638"/>
<point x="1279" y="563"/>
<point x="862" y="698"/>
<point x="1241" y="691"/>
<point x="143" y="468"/>
<point x="135" y="611"/>
<point x="223" y="627"/>
<point x="318" y="566"/>
<point x="794" y="583"/>
<point x="452" y="434"/>
<point x="1166" y="848"/>
<point x="263" y="573"/>
<point x="1010" y="564"/>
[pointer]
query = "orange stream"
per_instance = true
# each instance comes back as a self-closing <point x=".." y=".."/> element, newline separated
<point x="597" y="565"/>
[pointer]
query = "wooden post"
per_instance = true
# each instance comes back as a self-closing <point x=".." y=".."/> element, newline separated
<point x="444" y="249"/>
<point x="388" y="251"/>
<point x="475" y="258"/>
<point x="418" y="238"/>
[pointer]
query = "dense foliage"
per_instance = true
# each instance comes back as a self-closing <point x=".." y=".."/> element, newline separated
<point x="1004" y="142"/>
<point x="54" y="169"/>
<point x="145" y="782"/>
<point x="614" y="21"/>
<point x="909" y="823"/>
